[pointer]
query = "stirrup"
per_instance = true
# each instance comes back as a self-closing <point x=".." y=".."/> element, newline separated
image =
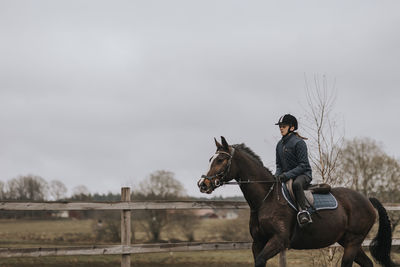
<point x="306" y="218"/>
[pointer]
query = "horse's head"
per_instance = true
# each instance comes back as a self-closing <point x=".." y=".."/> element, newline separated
<point x="220" y="168"/>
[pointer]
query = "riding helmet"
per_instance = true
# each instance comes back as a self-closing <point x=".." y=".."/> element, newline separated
<point x="288" y="119"/>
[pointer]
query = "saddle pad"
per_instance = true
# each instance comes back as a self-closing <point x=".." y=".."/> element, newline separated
<point x="321" y="201"/>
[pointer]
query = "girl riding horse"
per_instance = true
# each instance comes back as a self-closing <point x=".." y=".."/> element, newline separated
<point x="292" y="163"/>
<point x="273" y="225"/>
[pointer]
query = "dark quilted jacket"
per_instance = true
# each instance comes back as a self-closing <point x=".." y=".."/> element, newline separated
<point x="292" y="157"/>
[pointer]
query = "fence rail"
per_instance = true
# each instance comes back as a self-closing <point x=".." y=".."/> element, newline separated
<point x="137" y="205"/>
<point x="119" y="249"/>
<point x="126" y="249"/>
<point x="135" y="249"/>
<point x="134" y="205"/>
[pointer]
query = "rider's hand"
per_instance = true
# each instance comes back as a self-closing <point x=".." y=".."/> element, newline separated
<point x="283" y="178"/>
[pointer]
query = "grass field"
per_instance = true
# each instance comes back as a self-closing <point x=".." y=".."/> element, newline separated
<point x="239" y="258"/>
<point x="27" y="233"/>
<point x="35" y="233"/>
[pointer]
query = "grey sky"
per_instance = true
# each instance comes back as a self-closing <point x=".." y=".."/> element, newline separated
<point x="102" y="93"/>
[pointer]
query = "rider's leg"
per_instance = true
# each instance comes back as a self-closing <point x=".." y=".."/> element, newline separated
<point x="299" y="184"/>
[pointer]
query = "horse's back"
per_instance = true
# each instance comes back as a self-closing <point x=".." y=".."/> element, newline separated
<point x="360" y="212"/>
<point x="354" y="214"/>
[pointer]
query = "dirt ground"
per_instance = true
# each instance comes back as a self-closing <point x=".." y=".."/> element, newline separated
<point x="241" y="258"/>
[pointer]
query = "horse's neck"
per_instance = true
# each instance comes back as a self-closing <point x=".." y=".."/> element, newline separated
<point x="254" y="193"/>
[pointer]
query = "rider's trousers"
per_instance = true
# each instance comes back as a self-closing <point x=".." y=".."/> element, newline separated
<point x="299" y="184"/>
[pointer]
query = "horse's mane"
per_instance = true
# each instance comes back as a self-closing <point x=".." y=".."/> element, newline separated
<point x="253" y="156"/>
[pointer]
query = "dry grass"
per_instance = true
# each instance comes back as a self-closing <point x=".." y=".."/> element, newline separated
<point x="241" y="258"/>
<point x="33" y="233"/>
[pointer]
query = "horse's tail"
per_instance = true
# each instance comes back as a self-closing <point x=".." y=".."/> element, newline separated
<point x="382" y="243"/>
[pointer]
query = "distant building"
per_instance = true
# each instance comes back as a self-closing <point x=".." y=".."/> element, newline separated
<point x="61" y="214"/>
<point x="231" y="215"/>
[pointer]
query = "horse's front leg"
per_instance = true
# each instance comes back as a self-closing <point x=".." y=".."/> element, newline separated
<point x="257" y="247"/>
<point x="275" y="245"/>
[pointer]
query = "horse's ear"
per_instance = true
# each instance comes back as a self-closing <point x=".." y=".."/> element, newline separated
<point x="224" y="143"/>
<point x="217" y="144"/>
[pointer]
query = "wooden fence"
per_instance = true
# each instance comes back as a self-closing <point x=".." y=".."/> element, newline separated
<point x="126" y="248"/>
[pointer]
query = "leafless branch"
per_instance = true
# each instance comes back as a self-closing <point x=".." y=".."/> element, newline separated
<point x="325" y="139"/>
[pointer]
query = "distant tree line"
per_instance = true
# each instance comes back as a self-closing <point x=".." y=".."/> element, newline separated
<point x="366" y="168"/>
<point x="35" y="188"/>
<point x="361" y="164"/>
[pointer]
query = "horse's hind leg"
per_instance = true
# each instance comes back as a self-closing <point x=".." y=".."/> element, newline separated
<point x="362" y="259"/>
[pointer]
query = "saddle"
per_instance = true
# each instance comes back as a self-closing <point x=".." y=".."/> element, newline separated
<point x="318" y="196"/>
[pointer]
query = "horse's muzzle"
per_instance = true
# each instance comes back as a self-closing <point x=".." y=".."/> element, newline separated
<point x="204" y="188"/>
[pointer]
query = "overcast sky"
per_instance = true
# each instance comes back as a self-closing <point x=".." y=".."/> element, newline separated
<point x="103" y="93"/>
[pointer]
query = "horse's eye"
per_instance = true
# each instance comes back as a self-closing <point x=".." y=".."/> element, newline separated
<point x="220" y="160"/>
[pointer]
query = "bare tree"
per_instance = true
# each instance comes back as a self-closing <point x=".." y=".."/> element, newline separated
<point x="25" y="188"/>
<point x="2" y="191"/>
<point x="57" y="190"/>
<point x="161" y="185"/>
<point x="367" y="166"/>
<point x="187" y="221"/>
<point x="322" y="127"/>
<point x="325" y="140"/>
<point x="81" y="192"/>
<point x="28" y="187"/>
<point x="371" y="171"/>
<point x="107" y="227"/>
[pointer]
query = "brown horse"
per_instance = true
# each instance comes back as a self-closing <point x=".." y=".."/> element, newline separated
<point x="273" y="224"/>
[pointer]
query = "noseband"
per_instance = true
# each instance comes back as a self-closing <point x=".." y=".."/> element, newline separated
<point x="222" y="174"/>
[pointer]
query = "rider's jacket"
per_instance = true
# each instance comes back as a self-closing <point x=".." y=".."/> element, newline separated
<point x="292" y="157"/>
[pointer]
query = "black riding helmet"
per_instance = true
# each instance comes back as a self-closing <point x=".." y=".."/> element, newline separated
<point x="288" y="119"/>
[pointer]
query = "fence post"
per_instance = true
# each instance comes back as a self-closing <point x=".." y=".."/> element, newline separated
<point x="282" y="258"/>
<point x="125" y="227"/>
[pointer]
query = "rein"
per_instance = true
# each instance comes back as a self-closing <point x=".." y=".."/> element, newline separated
<point x="276" y="181"/>
<point x="250" y="182"/>
<point x="223" y="174"/>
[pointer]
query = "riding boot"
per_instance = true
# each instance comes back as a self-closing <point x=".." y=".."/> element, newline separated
<point x="303" y="217"/>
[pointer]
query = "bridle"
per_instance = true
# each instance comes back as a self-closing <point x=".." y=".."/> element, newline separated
<point x="225" y="172"/>
<point x="221" y="175"/>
